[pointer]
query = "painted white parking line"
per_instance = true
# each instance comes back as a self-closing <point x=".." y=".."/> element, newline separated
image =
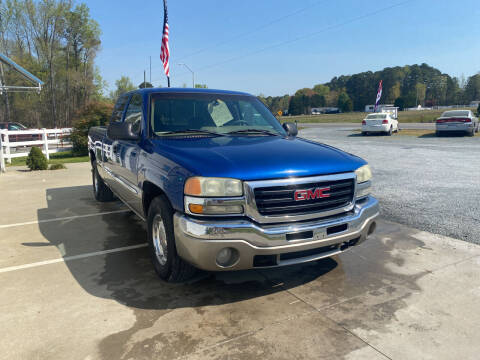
<point x="63" y="218"/>
<point x="70" y="258"/>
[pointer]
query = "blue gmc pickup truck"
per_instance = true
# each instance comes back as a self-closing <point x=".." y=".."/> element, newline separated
<point x="223" y="185"/>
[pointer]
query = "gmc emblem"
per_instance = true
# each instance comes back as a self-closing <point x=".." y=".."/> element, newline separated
<point x="317" y="193"/>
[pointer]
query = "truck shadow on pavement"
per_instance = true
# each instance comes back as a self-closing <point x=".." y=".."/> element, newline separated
<point x="219" y="302"/>
<point x="128" y="276"/>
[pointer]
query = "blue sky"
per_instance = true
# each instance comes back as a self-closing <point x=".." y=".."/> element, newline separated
<point x="275" y="47"/>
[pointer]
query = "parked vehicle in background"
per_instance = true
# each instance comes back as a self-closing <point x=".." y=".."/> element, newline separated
<point x="458" y="121"/>
<point x="379" y="123"/>
<point x="15" y="126"/>
<point x="223" y="185"/>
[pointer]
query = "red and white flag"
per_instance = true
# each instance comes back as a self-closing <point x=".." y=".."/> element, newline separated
<point x="379" y="95"/>
<point x="165" y="50"/>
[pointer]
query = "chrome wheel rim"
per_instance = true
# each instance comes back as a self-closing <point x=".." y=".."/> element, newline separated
<point x="159" y="239"/>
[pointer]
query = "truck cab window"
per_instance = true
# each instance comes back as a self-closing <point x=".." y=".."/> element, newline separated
<point x="118" y="109"/>
<point x="134" y="113"/>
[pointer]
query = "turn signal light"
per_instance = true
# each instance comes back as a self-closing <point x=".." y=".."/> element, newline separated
<point x="195" y="208"/>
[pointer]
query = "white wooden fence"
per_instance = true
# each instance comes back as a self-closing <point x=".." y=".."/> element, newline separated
<point x="50" y="140"/>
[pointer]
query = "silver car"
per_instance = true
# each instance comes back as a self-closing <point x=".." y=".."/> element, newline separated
<point x="457" y="120"/>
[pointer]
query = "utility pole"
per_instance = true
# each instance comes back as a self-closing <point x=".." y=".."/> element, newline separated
<point x="144" y="79"/>
<point x="150" y="69"/>
<point x="193" y="74"/>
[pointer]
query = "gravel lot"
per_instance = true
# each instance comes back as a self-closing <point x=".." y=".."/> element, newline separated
<point x="429" y="183"/>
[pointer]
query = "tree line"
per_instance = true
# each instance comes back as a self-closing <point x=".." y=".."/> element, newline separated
<point x="57" y="41"/>
<point x="403" y="86"/>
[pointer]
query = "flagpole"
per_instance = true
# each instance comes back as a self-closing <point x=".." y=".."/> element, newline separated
<point x="168" y="80"/>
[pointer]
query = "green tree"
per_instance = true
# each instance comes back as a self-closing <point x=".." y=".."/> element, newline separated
<point x="478" y="110"/>
<point x="400" y="103"/>
<point x="344" y="102"/>
<point x="36" y="160"/>
<point x="295" y="106"/>
<point x="472" y="89"/>
<point x="420" y="90"/>
<point x="317" y="100"/>
<point x="144" y="85"/>
<point x="321" y="90"/>
<point x="57" y="42"/>
<point x="94" y="114"/>
<point x="201" y="86"/>
<point x="124" y="85"/>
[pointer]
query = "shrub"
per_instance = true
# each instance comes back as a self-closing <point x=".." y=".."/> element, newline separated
<point x="57" y="167"/>
<point x="36" y="160"/>
<point x="94" y="114"/>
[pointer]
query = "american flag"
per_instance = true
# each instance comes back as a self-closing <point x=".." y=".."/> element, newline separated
<point x="165" y="50"/>
<point x="379" y="95"/>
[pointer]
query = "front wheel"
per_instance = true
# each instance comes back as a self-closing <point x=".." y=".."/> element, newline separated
<point x="161" y="243"/>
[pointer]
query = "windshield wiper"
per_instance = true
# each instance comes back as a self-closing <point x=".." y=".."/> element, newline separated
<point x="190" y="131"/>
<point x="252" y="131"/>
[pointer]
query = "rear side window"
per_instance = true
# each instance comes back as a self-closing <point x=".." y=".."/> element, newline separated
<point x="134" y="113"/>
<point x="118" y="109"/>
<point x="456" y="113"/>
<point x="2" y="126"/>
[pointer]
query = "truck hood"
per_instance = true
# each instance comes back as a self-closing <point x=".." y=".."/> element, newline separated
<point x="256" y="157"/>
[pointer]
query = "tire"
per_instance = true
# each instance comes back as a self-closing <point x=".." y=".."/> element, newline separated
<point x="101" y="191"/>
<point x="438" y="133"/>
<point x="471" y="133"/>
<point x="161" y="243"/>
<point x="389" y="133"/>
<point x="364" y="133"/>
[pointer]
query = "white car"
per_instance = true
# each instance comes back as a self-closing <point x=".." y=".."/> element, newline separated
<point x="379" y="123"/>
<point x="457" y="120"/>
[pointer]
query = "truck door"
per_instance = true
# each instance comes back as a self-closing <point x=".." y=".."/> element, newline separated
<point x="109" y="159"/>
<point x="125" y="154"/>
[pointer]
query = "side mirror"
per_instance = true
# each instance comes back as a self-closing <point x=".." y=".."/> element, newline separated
<point x="290" y="128"/>
<point x="121" y="131"/>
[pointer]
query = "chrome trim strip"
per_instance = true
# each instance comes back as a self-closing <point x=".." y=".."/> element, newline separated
<point x="363" y="189"/>
<point x="252" y="212"/>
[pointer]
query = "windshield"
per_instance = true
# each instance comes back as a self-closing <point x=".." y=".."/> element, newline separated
<point x="456" y="113"/>
<point x="217" y="113"/>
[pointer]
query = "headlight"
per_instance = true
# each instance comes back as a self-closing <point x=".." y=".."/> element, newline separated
<point x="213" y="187"/>
<point x="363" y="174"/>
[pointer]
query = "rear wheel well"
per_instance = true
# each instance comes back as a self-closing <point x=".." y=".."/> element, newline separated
<point x="150" y="192"/>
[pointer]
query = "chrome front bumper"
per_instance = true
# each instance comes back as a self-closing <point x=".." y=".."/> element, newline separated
<point x="199" y="241"/>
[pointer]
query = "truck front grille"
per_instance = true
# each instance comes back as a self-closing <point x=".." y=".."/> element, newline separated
<point x="280" y="200"/>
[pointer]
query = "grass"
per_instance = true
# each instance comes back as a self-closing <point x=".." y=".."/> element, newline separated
<point x="424" y="116"/>
<point x="63" y="157"/>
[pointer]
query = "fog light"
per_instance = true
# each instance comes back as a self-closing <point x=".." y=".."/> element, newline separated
<point x="227" y="257"/>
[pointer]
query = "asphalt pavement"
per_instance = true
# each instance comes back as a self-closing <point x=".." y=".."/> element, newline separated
<point x="425" y="182"/>
<point x="77" y="283"/>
